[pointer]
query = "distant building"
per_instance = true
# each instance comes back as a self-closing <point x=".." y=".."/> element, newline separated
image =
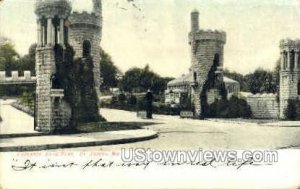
<point x="180" y="88"/>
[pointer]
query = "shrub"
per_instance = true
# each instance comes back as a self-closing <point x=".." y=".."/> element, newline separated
<point x="132" y="101"/>
<point x="186" y="103"/>
<point x="169" y="109"/>
<point x="114" y="101"/>
<point x="122" y="100"/>
<point x="292" y="111"/>
<point x="233" y="108"/>
<point x="141" y="104"/>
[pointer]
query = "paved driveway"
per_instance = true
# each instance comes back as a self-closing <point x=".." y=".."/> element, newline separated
<point x="176" y="133"/>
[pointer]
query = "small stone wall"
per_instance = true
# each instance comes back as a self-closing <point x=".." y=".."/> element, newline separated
<point x="264" y="106"/>
<point x="16" y="79"/>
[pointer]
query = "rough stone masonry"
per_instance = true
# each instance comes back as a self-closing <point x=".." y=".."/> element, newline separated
<point x="207" y="48"/>
<point x="57" y="25"/>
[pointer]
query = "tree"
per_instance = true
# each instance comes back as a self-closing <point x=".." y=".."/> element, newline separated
<point x="122" y="99"/>
<point x="132" y="101"/>
<point x="238" y="77"/>
<point x="109" y="72"/>
<point x="140" y="80"/>
<point x="131" y="80"/>
<point x="27" y="62"/>
<point x="261" y="81"/>
<point x="8" y="58"/>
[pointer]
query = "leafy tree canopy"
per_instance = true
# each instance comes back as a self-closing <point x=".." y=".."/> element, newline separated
<point x="260" y="81"/>
<point x="142" y="79"/>
<point x="109" y="72"/>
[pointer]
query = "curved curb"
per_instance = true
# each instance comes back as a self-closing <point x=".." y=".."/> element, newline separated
<point x="77" y="144"/>
<point x="20" y="135"/>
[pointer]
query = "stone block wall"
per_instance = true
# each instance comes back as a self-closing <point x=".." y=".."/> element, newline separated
<point x="85" y="18"/>
<point x="87" y="27"/>
<point x="206" y="45"/>
<point x="197" y="102"/>
<point x="44" y="68"/>
<point x="61" y="115"/>
<point x="288" y="89"/>
<point x="264" y="106"/>
<point x="52" y="112"/>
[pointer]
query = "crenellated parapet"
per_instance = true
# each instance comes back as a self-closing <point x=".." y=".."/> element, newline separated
<point x="97" y="7"/>
<point x="50" y="8"/>
<point x="290" y="52"/>
<point x="16" y="79"/>
<point x="212" y="35"/>
<point x="85" y="19"/>
<point x="262" y="95"/>
<point x="288" y="44"/>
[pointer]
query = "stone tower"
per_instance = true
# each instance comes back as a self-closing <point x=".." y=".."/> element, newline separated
<point x="52" y="112"/>
<point x="207" y="49"/>
<point x="97" y="7"/>
<point x="85" y="33"/>
<point x="289" y="73"/>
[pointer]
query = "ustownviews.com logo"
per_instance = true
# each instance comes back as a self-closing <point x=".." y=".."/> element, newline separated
<point x="203" y="157"/>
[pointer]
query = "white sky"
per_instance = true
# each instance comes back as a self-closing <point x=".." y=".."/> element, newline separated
<point x="158" y="34"/>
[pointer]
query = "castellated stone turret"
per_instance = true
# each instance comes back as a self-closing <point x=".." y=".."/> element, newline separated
<point x="289" y="73"/>
<point x="194" y="21"/>
<point x="52" y="111"/>
<point x="207" y="49"/>
<point x="85" y="33"/>
<point x="97" y="7"/>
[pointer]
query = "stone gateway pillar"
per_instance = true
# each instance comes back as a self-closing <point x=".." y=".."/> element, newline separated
<point x="52" y="113"/>
<point x="207" y="48"/>
<point x="289" y="74"/>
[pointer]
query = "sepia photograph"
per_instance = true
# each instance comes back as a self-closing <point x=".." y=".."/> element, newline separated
<point x="149" y="94"/>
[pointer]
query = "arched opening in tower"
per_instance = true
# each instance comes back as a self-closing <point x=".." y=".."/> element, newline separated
<point x="195" y="77"/>
<point x="292" y="60"/>
<point x="285" y="60"/>
<point x="298" y="60"/>
<point x="44" y="31"/>
<point x="86" y="49"/>
<point x="217" y="60"/>
<point x="56" y="22"/>
<point x="298" y="87"/>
